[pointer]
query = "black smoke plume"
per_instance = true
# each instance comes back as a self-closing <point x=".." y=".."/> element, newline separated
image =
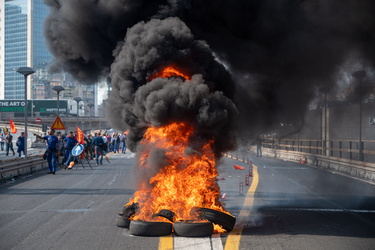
<point x="140" y="102"/>
<point x="279" y="53"/>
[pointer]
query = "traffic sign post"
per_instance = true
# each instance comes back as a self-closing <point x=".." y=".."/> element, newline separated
<point x="58" y="124"/>
<point x="76" y="152"/>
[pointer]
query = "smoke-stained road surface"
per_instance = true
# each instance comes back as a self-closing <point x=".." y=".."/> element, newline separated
<point x="295" y="207"/>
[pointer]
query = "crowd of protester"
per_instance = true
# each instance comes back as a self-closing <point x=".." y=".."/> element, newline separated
<point x="59" y="147"/>
<point x="95" y="146"/>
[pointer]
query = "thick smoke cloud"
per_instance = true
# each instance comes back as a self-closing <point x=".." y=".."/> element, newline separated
<point x="203" y="101"/>
<point x="280" y="53"/>
<point x="82" y="34"/>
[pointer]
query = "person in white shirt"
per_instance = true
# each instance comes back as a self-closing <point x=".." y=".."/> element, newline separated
<point x="2" y="141"/>
<point x="105" y="150"/>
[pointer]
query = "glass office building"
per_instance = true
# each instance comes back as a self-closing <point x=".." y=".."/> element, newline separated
<point x="21" y="44"/>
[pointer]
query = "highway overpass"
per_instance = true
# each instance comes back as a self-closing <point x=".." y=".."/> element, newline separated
<point x="83" y="122"/>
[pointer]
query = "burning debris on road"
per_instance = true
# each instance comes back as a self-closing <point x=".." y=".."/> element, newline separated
<point x="170" y="88"/>
<point x="181" y="110"/>
<point x="175" y="96"/>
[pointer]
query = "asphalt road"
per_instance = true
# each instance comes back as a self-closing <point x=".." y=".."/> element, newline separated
<point x="287" y="206"/>
<point x="301" y="207"/>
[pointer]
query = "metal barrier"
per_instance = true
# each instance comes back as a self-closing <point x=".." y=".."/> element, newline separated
<point x="10" y="169"/>
<point x="359" y="169"/>
<point x="347" y="149"/>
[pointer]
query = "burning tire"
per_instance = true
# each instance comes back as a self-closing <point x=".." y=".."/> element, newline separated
<point x="150" y="228"/>
<point x="130" y="210"/>
<point x="225" y="220"/>
<point x="193" y="229"/>
<point x="122" y="221"/>
<point x="168" y="214"/>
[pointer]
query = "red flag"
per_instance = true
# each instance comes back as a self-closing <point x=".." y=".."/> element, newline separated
<point x="13" y="128"/>
<point x="80" y="135"/>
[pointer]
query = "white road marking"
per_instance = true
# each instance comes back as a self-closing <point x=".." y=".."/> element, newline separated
<point x="201" y="243"/>
<point x="216" y="242"/>
<point x="113" y="179"/>
<point x="328" y="210"/>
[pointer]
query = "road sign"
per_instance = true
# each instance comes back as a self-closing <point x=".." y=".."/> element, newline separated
<point x="38" y="120"/>
<point x="77" y="150"/>
<point x="58" y="124"/>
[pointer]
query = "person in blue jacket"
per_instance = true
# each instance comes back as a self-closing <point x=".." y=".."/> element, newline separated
<point x="53" y="149"/>
<point x="70" y="141"/>
<point x="21" y="144"/>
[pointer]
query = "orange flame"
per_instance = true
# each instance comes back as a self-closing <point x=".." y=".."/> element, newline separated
<point x="170" y="72"/>
<point x="187" y="177"/>
<point x="186" y="180"/>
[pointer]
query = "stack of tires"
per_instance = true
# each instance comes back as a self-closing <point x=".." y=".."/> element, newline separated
<point x="180" y="228"/>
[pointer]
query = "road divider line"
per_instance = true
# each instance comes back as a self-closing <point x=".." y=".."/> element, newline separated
<point x="191" y="243"/>
<point x="166" y="243"/>
<point x="234" y="237"/>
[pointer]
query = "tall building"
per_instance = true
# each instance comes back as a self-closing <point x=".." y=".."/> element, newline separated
<point x="21" y="44"/>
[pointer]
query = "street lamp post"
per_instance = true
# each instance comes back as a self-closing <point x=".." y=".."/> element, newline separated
<point x="58" y="89"/>
<point x="90" y="105"/>
<point x="25" y="71"/>
<point x="78" y="100"/>
<point x="325" y="123"/>
<point x="360" y="75"/>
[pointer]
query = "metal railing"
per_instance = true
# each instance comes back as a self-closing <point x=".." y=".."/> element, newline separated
<point x="20" y="125"/>
<point x="11" y="169"/>
<point x="347" y="149"/>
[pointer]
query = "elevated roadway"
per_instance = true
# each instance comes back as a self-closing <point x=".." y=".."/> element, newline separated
<point x="84" y="122"/>
<point x="286" y="205"/>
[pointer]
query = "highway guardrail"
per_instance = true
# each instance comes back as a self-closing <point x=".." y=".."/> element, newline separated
<point x="13" y="168"/>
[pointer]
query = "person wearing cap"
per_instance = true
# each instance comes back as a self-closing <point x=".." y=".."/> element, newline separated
<point x="69" y="141"/>
<point x="53" y="149"/>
